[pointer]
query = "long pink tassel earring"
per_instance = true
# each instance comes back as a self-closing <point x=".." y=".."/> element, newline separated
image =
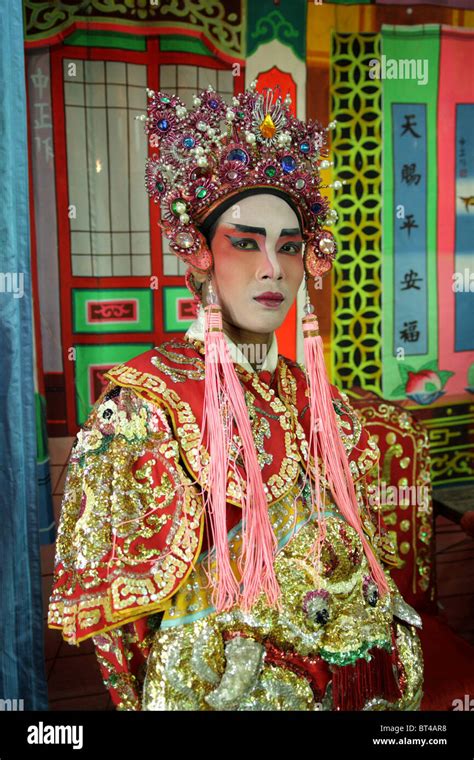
<point x="325" y="445"/>
<point x="224" y="405"/>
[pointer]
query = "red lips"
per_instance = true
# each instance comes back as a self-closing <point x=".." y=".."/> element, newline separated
<point x="270" y="296"/>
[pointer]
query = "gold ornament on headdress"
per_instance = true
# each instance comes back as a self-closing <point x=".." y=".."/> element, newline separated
<point x="267" y="127"/>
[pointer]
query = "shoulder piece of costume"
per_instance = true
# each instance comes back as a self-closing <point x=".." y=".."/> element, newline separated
<point x="131" y="522"/>
<point x="172" y="376"/>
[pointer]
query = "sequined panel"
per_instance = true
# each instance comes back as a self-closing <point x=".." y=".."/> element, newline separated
<point x="130" y="545"/>
<point x="344" y="624"/>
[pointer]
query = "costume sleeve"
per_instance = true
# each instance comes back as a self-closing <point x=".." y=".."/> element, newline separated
<point x="364" y="457"/>
<point x="368" y="494"/>
<point x="122" y="654"/>
<point x="131" y="521"/>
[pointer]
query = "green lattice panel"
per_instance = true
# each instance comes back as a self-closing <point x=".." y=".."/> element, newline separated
<point x="357" y="153"/>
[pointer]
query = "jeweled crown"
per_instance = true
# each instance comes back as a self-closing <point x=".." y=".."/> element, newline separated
<point x="217" y="150"/>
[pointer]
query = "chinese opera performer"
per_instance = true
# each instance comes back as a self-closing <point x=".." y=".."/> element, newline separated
<point x="219" y="538"/>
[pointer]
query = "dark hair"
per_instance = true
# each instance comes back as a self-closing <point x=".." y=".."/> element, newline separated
<point x="209" y="226"/>
<point x="210" y="232"/>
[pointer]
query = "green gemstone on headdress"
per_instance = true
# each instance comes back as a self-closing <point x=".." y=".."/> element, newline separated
<point x="177" y="206"/>
<point x="270" y="171"/>
<point x="160" y="186"/>
<point x="165" y="100"/>
<point x="240" y="114"/>
<point x="201" y="192"/>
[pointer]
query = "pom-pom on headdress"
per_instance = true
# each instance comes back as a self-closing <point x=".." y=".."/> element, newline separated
<point x="218" y="150"/>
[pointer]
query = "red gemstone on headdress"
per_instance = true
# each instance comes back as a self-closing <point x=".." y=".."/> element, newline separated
<point x="198" y="172"/>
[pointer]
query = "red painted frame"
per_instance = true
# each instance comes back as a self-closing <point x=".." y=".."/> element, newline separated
<point x="142" y="30"/>
<point x="152" y="58"/>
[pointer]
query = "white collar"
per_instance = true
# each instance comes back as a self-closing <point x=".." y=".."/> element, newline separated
<point x="196" y="331"/>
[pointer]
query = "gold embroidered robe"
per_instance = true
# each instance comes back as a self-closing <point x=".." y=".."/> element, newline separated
<point x="132" y="554"/>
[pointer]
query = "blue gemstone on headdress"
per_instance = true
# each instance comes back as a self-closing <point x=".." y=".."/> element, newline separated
<point x="237" y="154"/>
<point x="189" y="142"/>
<point x="316" y="207"/>
<point x="305" y="147"/>
<point x="213" y="104"/>
<point x="288" y="164"/>
<point x="163" y="125"/>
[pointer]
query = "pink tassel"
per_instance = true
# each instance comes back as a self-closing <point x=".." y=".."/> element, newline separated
<point x="325" y="439"/>
<point x="224" y="404"/>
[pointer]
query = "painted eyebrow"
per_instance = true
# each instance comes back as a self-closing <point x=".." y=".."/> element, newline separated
<point x="262" y="230"/>
<point x="246" y="228"/>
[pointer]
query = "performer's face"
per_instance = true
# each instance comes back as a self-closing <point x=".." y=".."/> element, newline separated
<point x="257" y="248"/>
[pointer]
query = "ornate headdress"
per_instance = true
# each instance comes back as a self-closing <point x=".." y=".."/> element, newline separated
<point x="217" y="150"/>
<point x="207" y="156"/>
